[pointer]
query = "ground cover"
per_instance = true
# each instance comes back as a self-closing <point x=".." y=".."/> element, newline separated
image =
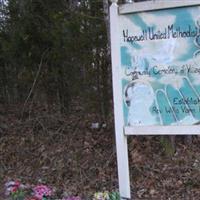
<point x="75" y="158"/>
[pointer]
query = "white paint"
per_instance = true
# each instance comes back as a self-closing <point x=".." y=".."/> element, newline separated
<point x="121" y="139"/>
<point x="173" y="80"/>
<point x="155" y="5"/>
<point x="162" y="130"/>
<point x="153" y="21"/>
<point x="140" y="97"/>
<point x="121" y="131"/>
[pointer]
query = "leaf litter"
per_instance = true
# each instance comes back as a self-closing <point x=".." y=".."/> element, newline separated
<point x="75" y="158"/>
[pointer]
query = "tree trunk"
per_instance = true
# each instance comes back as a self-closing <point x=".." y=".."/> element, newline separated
<point x="107" y="22"/>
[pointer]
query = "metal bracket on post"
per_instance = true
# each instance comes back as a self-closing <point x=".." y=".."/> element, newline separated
<point x="121" y="138"/>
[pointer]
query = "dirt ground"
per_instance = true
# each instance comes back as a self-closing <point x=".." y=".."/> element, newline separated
<point x="65" y="152"/>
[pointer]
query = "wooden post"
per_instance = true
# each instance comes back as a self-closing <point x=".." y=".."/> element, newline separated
<point x="121" y="139"/>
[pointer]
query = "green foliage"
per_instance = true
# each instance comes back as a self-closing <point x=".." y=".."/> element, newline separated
<point x="64" y="42"/>
<point x="168" y="146"/>
<point x="18" y="195"/>
<point x="114" y="196"/>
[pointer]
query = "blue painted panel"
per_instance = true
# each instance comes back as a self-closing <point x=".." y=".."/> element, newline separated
<point x="160" y="67"/>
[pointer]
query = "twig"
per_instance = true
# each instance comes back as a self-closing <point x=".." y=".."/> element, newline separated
<point x="35" y="80"/>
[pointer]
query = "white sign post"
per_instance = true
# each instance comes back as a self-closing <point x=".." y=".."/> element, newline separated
<point x="121" y="139"/>
<point x="155" y="49"/>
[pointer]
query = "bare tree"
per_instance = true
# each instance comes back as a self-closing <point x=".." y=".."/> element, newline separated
<point x="107" y="21"/>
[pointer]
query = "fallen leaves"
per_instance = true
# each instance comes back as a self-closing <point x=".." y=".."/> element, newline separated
<point x="67" y="153"/>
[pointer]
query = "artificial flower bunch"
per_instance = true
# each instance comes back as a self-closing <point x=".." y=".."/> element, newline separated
<point x="106" y="196"/>
<point x="72" y="198"/>
<point x="14" y="190"/>
<point x="41" y="191"/>
<point x="101" y="196"/>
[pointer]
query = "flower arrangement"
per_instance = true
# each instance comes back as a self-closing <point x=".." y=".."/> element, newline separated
<point x="15" y="190"/>
<point x="101" y="196"/>
<point x="106" y="196"/>
<point x="72" y="198"/>
<point x="42" y="191"/>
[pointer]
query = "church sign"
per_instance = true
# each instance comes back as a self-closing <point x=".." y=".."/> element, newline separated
<point x="156" y="72"/>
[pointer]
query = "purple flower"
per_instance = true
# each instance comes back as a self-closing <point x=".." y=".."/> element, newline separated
<point x="12" y="187"/>
<point x="42" y="190"/>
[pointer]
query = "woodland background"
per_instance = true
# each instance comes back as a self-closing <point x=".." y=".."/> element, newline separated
<point x="56" y="109"/>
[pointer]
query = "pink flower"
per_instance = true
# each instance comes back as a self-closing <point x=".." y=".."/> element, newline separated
<point x="32" y="198"/>
<point x="41" y="191"/>
<point x="12" y="187"/>
<point x="72" y="198"/>
<point x="17" y="184"/>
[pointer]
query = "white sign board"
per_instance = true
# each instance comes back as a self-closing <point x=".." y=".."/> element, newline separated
<point x="156" y="72"/>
